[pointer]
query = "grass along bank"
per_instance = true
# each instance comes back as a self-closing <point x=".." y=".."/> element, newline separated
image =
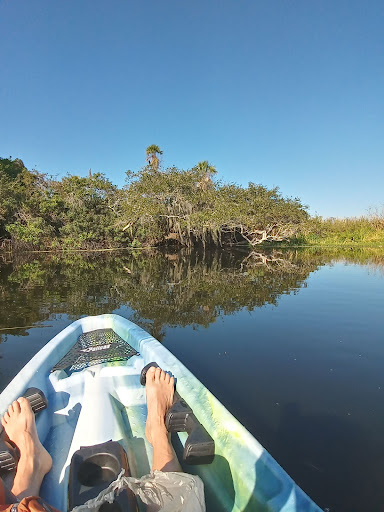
<point x="365" y="231"/>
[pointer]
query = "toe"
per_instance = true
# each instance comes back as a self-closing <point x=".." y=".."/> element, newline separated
<point x="150" y="375"/>
<point x="24" y="404"/>
<point x="3" y="421"/>
<point x="16" y="407"/>
<point x="157" y="374"/>
<point x="167" y="378"/>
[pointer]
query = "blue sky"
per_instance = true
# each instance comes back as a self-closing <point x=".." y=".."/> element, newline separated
<point x="283" y="93"/>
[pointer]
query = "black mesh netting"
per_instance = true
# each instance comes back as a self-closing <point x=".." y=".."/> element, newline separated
<point x="95" y="347"/>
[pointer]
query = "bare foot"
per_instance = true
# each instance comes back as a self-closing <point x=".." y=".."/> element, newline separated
<point x="159" y="389"/>
<point x="35" y="461"/>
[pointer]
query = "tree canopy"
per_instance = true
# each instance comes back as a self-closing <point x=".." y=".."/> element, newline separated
<point x="187" y="207"/>
<point x="173" y="205"/>
<point x="152" y="152"/>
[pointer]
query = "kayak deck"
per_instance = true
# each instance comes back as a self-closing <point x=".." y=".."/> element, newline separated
<point x="95" y="405"/>
<point x="106" y="402"/>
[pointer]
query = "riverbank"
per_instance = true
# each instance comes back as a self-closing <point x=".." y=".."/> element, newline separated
<point x="161" y="208"/>
<point x="350" y="232"/>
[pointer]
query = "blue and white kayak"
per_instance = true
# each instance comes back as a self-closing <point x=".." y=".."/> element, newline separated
<point x="90" y="374"/>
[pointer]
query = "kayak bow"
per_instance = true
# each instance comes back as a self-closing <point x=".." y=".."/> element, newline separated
<point x="94" y="399"/>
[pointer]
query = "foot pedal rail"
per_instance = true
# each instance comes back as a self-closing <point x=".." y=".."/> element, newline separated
<point x="199" y="447"/>
<point x="9" y="455"/>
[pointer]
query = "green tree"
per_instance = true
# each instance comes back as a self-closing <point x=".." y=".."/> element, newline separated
<point x="91" y="208"/>
<point x="11" y="168"/>
<point x="173" y="206"/>
<point x="9" y="171"/>
<point x="206" y="171"/>
<point x="27" y="205"/>
<point x="184" y="206"/>
<point x="152" y="153"/>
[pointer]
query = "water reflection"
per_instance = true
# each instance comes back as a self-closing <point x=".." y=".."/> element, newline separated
<point x="162" y="289"/>
<point x="311" y="367"/>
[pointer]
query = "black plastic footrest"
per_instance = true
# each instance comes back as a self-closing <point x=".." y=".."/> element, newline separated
<point x="8" y="453"/>
<point x="37" y="399"/>
<point x="199" y="447"/>
<point x="8" y="457"/>
<point x="143" y="374"/>
<point x="177" y="416"/>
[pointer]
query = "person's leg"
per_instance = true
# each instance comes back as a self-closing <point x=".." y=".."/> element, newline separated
<point x="160" y="389"/>
<point x="35" y="461"/>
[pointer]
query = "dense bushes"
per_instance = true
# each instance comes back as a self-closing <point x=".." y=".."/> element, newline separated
<point x="189" y="207"/>
<point x="155" y="207"/>
<point x="158" y="207"/>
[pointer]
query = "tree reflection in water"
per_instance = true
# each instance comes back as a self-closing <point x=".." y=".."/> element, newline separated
<point x="162" y="289"/>
<point x="317" y="446"/>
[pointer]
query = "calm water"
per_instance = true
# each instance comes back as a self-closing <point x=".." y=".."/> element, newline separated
<point x="291" y="342"/>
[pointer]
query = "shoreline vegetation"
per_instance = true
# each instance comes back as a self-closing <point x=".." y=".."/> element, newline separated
<point x="162" y="207"/>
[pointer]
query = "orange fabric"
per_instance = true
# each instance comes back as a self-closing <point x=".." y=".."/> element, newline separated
<point x="30" y="504"/>
<point x="34" y="504"/>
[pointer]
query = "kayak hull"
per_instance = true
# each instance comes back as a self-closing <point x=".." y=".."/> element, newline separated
<point x="106" y="402"/>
